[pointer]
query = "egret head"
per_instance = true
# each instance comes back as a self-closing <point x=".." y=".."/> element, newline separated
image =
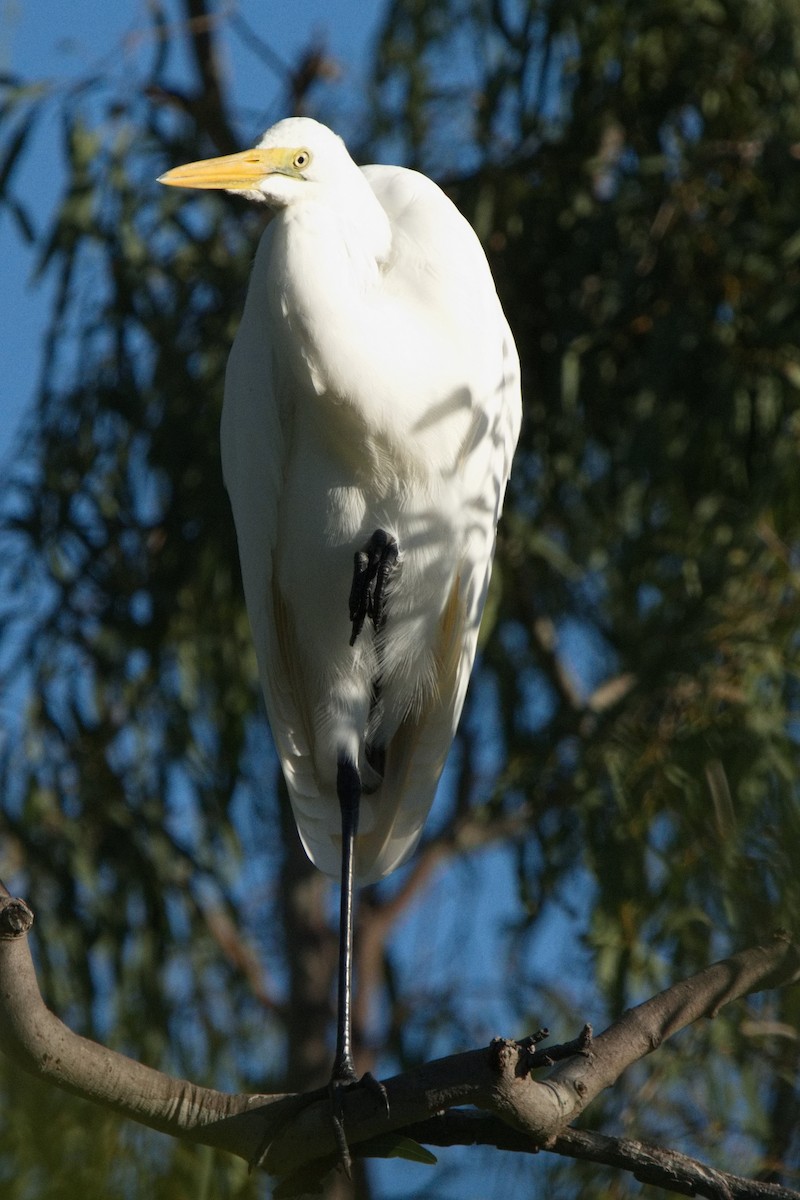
<point x="294" y="157"/>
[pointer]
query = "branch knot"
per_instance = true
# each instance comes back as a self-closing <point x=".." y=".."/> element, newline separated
<point x="503" y="1053"/>
<point x="16" y="918"/>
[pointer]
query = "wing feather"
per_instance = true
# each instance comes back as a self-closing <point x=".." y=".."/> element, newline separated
<point x="254" y="448"/>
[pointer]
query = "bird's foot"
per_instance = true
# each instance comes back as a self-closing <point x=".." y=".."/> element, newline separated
<point x="342" y="1081"/>
<point x="372" y="568"/>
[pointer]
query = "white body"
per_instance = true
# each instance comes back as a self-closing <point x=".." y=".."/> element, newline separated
<point x="373" y="384"/>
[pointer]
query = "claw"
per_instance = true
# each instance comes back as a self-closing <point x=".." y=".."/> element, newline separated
<point x="384" y="568"/>
<point x="359" y="592"/>
<point x="336" y="1090"/>
<point x="375" y="1086"/>
<point x="372" y="567"/>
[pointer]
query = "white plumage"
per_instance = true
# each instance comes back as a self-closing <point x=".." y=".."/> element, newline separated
<point x="373" y="384"/>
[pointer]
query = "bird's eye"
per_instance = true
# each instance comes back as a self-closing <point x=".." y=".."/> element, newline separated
<point x="301" y="159"/>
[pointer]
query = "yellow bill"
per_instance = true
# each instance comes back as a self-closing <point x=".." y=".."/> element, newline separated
<point x="235" y="172"/>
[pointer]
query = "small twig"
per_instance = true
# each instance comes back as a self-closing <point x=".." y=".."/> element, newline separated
<point x="582" y="1044"/>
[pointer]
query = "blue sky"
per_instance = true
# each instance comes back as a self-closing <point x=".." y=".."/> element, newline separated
<point x="64" y="42"/>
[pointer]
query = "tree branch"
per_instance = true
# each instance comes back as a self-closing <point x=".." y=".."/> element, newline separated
<point x="649" y="1164"/>
<point x="284" y="1133"/>
<point x="41" y="1044"/>
<point x="208" y="102"/>
<point x="665" y="1168"/>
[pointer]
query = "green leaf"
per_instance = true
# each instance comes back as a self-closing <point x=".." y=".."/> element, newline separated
<point x="396" y="1145"/>
<point x="308" y="1180"/>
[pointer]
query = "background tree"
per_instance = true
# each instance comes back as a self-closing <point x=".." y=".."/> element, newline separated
<point x="633" y="171"/>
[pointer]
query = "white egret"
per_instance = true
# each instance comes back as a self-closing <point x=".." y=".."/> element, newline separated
<point x="372" y="407"/>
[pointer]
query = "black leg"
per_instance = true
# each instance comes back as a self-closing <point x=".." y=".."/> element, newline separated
<point x="348" y="786"/>
<point x="372" y="567"/>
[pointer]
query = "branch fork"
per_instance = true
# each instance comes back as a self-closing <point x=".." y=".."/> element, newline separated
<point x="505" y="1105"/>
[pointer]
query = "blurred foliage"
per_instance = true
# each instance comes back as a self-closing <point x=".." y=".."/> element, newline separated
<point x="634" y="172"/>
<point x="72" y="1148"/>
